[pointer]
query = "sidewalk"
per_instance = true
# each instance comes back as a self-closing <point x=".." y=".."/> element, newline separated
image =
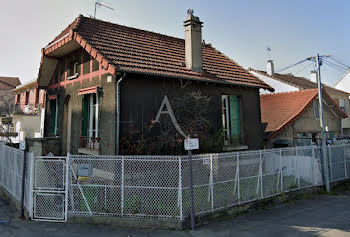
<point x="325" y="215"/>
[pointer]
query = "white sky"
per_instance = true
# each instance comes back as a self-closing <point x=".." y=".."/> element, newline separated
<point x="240" y="29"/>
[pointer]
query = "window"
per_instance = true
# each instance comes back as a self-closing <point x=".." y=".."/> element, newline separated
<point x="305" y="138"/>
<point x="73" y="66"/>
<point x="36" y="97"/>
<point x="231" y="120"/>
<point x="26" y="99"/>
<point x="18" y="98"/>
<point x="90" y="121"/>
<point x="53" y="116"/>
<point x="317" y="111"/>
<point x="342" y="105"/>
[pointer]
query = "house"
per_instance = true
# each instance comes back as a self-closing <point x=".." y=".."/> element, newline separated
<point x="7" y="103"/>
<point x="113" y="89"/>
<point x="29" y="102"/>
<point x="292" y="118"/>
<point x="344" y="82"/>
<point x="289" y="82"/>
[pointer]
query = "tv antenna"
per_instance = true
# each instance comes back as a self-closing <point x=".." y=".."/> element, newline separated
<point x="268" y="51"/>
<point x="99" y="4"/>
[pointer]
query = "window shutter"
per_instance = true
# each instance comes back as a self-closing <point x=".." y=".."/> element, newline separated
<point x="85" y="115"/>
<point x="53" y="116"/>
<point x="235" y="116"/>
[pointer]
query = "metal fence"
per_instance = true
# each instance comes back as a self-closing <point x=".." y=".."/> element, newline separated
<point x="11" y="173"/>
<point x="158" y="186"/>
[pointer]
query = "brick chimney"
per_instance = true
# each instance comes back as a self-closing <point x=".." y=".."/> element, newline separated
<point x="193" y="42"/>
<point x="270" y="69"/>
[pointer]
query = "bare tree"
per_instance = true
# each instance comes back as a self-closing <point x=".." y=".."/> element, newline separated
<point x="192" y="111"/>
<point x="7" y="108"/>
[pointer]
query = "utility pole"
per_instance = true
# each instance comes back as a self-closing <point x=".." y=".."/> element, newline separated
<point x="318" y="59"/>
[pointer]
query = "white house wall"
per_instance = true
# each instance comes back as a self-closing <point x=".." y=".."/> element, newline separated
<point x="344" y="84"/>
<point x="277" y="85"/>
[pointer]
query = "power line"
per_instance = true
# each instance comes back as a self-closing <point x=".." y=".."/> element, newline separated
<point x="303" y="68"/>
<point x="338" y="61"/>
<point x="335" y="65"/>
<point x="285" y="68"/>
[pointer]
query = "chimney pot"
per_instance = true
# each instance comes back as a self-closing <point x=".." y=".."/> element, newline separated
<point x="313" y="76"/>
<point x="270" y="68"/>
<point x="193" y="42"/>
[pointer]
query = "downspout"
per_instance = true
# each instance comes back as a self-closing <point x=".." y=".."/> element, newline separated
<point x="118" y="114"/>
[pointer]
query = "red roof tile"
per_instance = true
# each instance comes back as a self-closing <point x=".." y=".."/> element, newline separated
<point x="133" y="50"/>
<point x="9" y="83"/>
<point x="280" y="109"/>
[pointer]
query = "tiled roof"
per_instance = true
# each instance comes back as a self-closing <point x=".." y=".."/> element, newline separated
<point x="138" y="51"/>
<point x="9" y="83"/>
<point x="280" y="109"/>
<point x="301" y="83"/>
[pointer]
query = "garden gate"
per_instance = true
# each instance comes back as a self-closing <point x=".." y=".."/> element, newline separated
<point x="50" y="189"/>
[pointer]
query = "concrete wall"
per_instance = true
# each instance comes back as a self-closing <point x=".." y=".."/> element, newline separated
<point x="28" y="126"/>
<point x="43" y="146"/>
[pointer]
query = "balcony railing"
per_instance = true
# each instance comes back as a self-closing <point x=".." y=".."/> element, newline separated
<point x="22" y="108"/>
<point x="90" y="142"/>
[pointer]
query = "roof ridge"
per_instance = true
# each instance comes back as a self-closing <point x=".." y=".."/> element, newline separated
<point x="134" y="28"/>
<point x="289" y="92"/>
<point x="291" y="75"/>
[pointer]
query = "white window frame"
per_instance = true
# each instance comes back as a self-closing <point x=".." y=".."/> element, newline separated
<point x="56" y="116"/>
<point x="91" y="132"/>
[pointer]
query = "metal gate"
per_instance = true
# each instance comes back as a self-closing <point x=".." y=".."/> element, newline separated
<point x="50" y="191"/>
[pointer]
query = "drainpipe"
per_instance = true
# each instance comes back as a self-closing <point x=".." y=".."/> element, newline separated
<point x="118" y="114"/>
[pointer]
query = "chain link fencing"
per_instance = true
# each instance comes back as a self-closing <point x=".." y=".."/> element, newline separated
<point x="159" y="186"/>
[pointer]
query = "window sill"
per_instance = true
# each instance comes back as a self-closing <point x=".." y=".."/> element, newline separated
<point x="89" y="151"/>
<point x="73" y="76"/>
<point x="235" y="148"/>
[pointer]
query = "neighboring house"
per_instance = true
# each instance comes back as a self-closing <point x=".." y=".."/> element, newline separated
<point x="106" y="84"/>
<point x="344" y="82"/>
<point x="292" y="118"/>
<point x="7" y="100"/>
<point x="29" y="101"/>
<point x="288" y="82"/>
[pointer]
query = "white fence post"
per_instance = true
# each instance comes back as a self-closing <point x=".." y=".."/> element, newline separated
<point x="179" y="201"/>
<point x="211" y="183"/>
<point x="330" y="162"/>
<point x="345" y="171"/>
<point x="260" y="177"/>
<point x="30" y="183"/>
<point x="314" y="165"/>
<point x="122" y="188"/>
<point x="281" y="169"/>
<point x="238" y="181"/>
<point x="66" y="187"/>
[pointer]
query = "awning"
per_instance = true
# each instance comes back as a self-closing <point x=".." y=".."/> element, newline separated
<point x="52" y="97"/>
<point x="89" y="90"/>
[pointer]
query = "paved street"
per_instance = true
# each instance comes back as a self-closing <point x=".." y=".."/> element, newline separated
<point x="322" y="216"/>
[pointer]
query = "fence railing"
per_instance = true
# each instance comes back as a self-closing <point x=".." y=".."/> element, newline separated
<point x="11" y="173"/>
<point x="159" y="186"/>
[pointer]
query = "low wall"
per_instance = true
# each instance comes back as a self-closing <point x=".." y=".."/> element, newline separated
<point x="229" y="213"/>
<point x="12" y="201"/>
<point x="43" y="146"/>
